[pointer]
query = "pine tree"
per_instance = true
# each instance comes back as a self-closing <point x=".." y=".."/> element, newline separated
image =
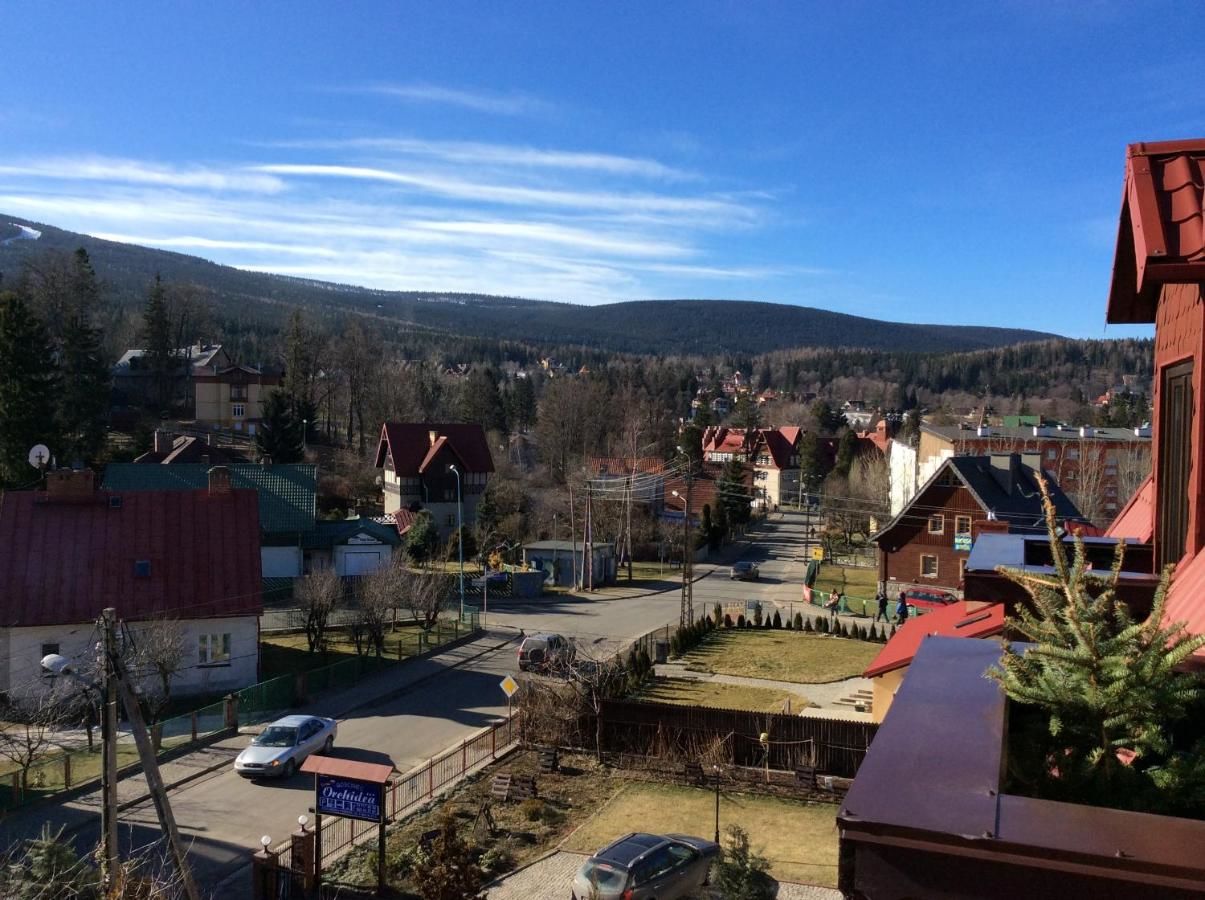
<point x="279" y="436"/>
<point x="522" y="404"/>
<point x="29" y="381"/>
<point x="1103" y="685"/>
<point x="156" y="336"/>
<point x="83" y="399"/>
<point x="301" y="369"/>
<point x="734" y="496"/>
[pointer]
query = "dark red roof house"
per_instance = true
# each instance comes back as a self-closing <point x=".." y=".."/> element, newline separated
<point x="190" y="558"/>
<point x="427" y="466"/>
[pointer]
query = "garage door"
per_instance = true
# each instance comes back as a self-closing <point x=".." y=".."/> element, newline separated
<point x="361" y="562"/>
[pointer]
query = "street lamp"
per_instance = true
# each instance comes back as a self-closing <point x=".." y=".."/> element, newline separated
<point x="459" y="535"/>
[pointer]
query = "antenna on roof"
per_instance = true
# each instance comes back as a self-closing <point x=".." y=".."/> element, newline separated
<point x="39" y="457"/>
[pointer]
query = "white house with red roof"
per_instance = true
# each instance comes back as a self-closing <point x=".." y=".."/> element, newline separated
<point x="773" y="454"/>
<point x="190" y="558"/>
<point x="421" y="464"/>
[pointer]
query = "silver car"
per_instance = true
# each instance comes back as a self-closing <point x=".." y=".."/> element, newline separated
<point x="283" y="746"/>
<point x="646" y="866"/>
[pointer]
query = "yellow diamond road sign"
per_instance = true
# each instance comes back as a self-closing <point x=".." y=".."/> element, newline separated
<point x="509" y="686"/>
<point x="818" y="553"/>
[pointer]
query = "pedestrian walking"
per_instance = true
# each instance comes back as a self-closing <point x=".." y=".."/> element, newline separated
<point x="881" y="599"/>
<point x="834" y="600"/>
<point x="901" y="609"/>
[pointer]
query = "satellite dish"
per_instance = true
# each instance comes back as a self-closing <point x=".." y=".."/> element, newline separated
<point x="39" y="456"/>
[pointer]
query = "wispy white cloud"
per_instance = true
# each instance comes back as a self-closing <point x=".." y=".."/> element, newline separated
<point x="526" y="196"/>
<point x="494" y="103"/>
<point x="128" y="171"/>
<point x="503" y="155"/>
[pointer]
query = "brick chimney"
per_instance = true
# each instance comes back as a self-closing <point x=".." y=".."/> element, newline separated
<point x="70" y="484"/>
<point x="432" y="436"/>
<point x="219" y="480"/>
<point x="163" y="441"/>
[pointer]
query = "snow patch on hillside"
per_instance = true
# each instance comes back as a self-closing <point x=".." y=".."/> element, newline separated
<point x="24" y="233"/>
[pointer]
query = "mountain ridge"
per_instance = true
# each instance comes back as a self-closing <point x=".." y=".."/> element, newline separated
<point x="673" y="326"/>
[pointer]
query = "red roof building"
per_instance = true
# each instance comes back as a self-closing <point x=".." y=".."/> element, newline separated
<point x="71" y="551"/>
<point x="773" y="453"/>
<point x="428" y="466"/>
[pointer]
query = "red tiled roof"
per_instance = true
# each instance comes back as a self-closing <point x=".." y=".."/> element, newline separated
<point x="65" y="560"/>
<point x="1184" y="601"/>
<point x="966" y="618"/>
<point x="625" y="465"/>
<point x="411" y="446"/>
<point x="1161" y="232"/>
<point x="1137" y="518"/>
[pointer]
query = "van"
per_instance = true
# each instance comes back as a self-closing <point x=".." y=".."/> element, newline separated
<point x="545" y="653"/>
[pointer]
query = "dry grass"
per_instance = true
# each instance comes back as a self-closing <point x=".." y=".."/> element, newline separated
<point x="687" y="692"/>
<point x="799" y="839"/>
<point x="781" y="655"/>
<point x="856" y="582"/>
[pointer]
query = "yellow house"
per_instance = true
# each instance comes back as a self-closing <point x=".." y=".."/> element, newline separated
<point x="231" y="397"/>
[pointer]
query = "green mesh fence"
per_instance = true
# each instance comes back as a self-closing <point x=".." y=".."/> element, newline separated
<point x="266" y="701"/>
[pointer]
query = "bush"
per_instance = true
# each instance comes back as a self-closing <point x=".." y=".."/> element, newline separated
<point x="757" y="615"/>
<point x="768" y="623"/>
<point x="446" y="870"/>
<point x="740" y="620"/>
<point x="718" y="614"/>
<point x="892" y="633"/>
<point x="532" y="809"/>
<point x="646" y="662"/>
<point x="788" y="624"/>
<point x="740" y="874"/>
<point x="496" y="860"/>
<point x="799" y="622"/>
<point x="822" y="625"/>
<point x="727" y="620"/>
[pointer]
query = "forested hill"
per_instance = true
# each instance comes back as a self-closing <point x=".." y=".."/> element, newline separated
<point x="649" y="327"/>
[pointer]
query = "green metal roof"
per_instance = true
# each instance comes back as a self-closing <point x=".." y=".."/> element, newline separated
<point x="286" y="492"/>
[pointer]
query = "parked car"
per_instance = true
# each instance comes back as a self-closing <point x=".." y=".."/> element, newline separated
<point x="647" y="866"/>
<point x="929" y="599"/>
<point x="545" y="652"/>
<point x="495" y="580"/>
<point x="282" y="747"/>
<point x="744" y="571"/>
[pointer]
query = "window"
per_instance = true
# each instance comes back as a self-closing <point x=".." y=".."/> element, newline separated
<point x="238" y="410"/>
<point x="937" y="524"/>
<point x="1073" y="453"/>
<point x="142" y="568"/>
<point x="238" y="392"/>
<point x="1052" y="453"/>
<point x="928" y="566"/>
<point x="763" y="460"/>
<point x="450" y="520"/>
<point x="962" y="524"/>
<point x="213" y="649"/>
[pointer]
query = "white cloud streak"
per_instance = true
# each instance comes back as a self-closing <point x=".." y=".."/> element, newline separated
<point x="129" y="171"/>
<point x="511" y="104"/>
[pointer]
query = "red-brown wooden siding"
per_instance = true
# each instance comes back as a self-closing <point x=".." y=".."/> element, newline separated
<point x="902" y="548"/>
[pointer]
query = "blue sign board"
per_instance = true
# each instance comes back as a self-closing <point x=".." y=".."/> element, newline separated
<point x="962" y="542"/>
<point x="350" y="798"/>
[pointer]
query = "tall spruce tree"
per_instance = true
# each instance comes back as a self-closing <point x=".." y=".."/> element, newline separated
<point x="279" y="436"/>
<point x="734" y="496"/>
<point x="29" y="383"/>
<point x="301" y="369"/>
<point x="1106" y="690"/>
<point x="85" y="374"/>
<point x="156" y="337"/>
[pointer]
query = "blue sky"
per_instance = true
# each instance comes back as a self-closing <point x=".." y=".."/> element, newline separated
<point x="956" y="162"/>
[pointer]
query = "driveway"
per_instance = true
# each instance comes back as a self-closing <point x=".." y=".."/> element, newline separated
<point x="551" y="877"/>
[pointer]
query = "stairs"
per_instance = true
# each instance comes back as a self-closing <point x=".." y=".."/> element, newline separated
<point x="863" y="696"/>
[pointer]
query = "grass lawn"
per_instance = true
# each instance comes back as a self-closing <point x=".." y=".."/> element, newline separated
<point x="799" y="839"/>
<point x="686" y="692"/>
<point x="856" y="582"/>
<point x="284" y="654"/>
<point x="781" y="655"/>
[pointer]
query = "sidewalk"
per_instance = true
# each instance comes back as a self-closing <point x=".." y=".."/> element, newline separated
<point x="83" y="810"/>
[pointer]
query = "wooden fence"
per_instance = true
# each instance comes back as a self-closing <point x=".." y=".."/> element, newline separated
<point x="833" y="746"/>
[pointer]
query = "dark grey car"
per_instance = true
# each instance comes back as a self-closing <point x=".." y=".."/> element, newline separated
<point x="646" y="867"/>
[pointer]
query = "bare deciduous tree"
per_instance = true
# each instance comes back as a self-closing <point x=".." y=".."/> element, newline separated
<point x="596" y="675"/>
<point x="427" y="594"/>
<point x="380" y="593"/>
<point x="156" y="655"/>
<point x="1133" y="467"/>
<point x="26" y="735"/>
<point x="318" y="595"/>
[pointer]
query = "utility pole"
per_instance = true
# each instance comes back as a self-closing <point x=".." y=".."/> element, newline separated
<point x="108" y="737"/>
<point x="154" y="781"/>
<point x="686" y="611"/>
<point x="588" y="542"/>
<point x="573" y="540"/>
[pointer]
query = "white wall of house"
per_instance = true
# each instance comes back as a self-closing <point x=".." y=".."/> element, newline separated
<point x="220" y="671"/>
<point x="280" y="562"/>
<point x="901" y="465"/>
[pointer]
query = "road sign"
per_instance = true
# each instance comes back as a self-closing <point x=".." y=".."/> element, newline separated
<point x="509" y="686"/>
<point x="818" y="553"/>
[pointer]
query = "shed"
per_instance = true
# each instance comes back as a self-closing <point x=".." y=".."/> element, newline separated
<point x="561" y="559"/>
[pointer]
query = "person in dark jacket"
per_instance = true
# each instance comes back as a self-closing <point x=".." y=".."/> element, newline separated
<point x="881" y="597"/>
<point x="901" y="609"/>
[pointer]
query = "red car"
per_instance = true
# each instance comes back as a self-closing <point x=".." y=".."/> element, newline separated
<point x="928" y="599"/>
